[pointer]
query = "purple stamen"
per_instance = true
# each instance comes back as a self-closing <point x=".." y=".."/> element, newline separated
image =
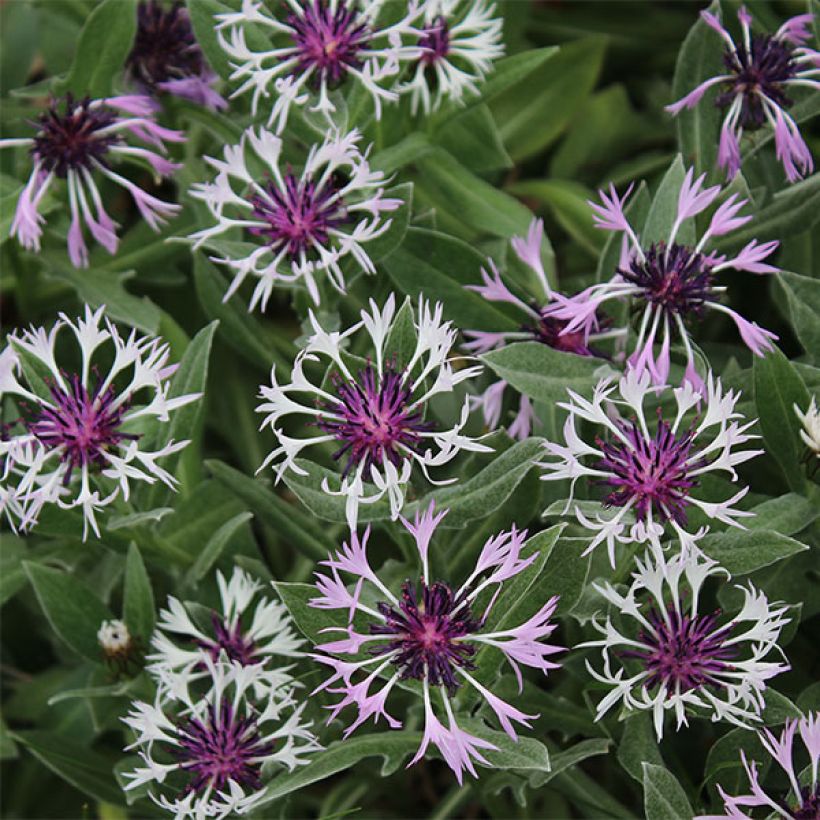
<point x="760" y="71"/>
<point x="676" y="278"/>
<point x="85" y="425"/>
<point x="229" y="639"/>
<point x="376" y="423"/>
<point x="653" y="474"/>
<point x="428" y="634"/>
<point x="224" y="747"/>
<point x="809" y="808"/>
<point x="70" y="140"/>
<point x="328" y="42"/>
<point x="435" y="41"/>
<point x="548" y="331"/>
<point x="299" y="217"/>
<point x="686" y="653"/>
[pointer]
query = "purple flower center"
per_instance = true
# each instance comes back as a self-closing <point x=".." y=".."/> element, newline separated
<point x="374" y="419"/>
<point x="428" y="633"/>
<point x="74" y="138"/>
<point x="548" y="331"/>
<point x="300" y="217"/>
<point x="85" y="425"/>
<point x="674" y="277"/>
<point x="220" y="748"/>
<point x="761" y="70"/>
<point x="435" y="41"/>
<point x="686" y="652"/>
<point x="164" y="47"/>
<point x="328" y="42"/>
<point x="230" y="640"/>
<point x="809" y="808"/>
<point x="654" y="474"/>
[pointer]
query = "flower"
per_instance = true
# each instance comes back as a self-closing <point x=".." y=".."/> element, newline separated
<point x="377" y="417"/>
<point x="652" y="472"/>
<point x="460" y="40"/>
<point x="212" y="750"/>
<point x="431" y="633"/>
<point x="119" y="647"/>
<point x="76" y="139"/>
<point x="801" y="801"/>
<point x="166" y="56"/>
<point x="79" y="446"/>
<point x="536" y="326"/>
<point x="305" y="224"/>
<point x="761" y="71"/>
<point x="678" y="658"/>
<point x="811" y="427"/>
<point x="670" y="283"/>
<point x="260" y="639"/>
<point x="318" y="46"/>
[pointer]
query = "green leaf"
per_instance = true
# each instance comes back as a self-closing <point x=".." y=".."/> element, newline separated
<point x="524" y="754"/>
<point x="565" y="575"/>
<point x="473" y="135"/>
<point x="786" y="515"/>
<point x="310" y="620"/>
<point x="663" y="797"/>
<point x="638" y="745"/>
<point x="664" y="209"/>
<point x="295" y="528"/>
<point x="138" y="597"/>
<point x="402" y="340"/>
<point x="101" y="49"/>
<point x="12" y="576"/>
<point x="84" y="769"/>
<point x="213" y="549"/>
<point x="73" y="610"/>
<point x="571" y="757"/>
<point x="541" y="372"/>
<point x="744" y="551"/>
<point x="724" y="764"/>
<point x="132" y="520"/>
<point x="778" y="709"/>
<point x="777" y="388"/>
<point x="803" y="299"/>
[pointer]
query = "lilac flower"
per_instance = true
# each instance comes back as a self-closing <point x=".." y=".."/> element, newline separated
<point x="377" y="417"/>
<point x="666" y="655"/>
<point x="79" y="446"/>
<point x="211" y="751"/>
<point x="650" y="471"/>
<point x="318" y="45"/>
<point x="77" y="140"/>
<point x="166" y="56"/>
<point x="305" y="224"/>
<point x="761" y="71"/>
<point x="430" y="633"/>
<point x="802" y="800"/>
<point x="670" y="283"/>
<point x="535" y="326"/>
<point x="460" y="40"/>
<point x="261" y="637"/>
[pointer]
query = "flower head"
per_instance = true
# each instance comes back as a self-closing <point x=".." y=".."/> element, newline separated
<point x="78" y="441"/>
<point x="303" y="225"/>
<point x="317" y="46"/>
<point x="210" y="751"/>
<point x="430" y="633"/>
<point x="76" y="141"/>
<point x="811" y="428"/>
<point x="668" y="655"/>
<point x="166" y="56"/>
<point x="760" y="71"/>
<point x="460" y="40"/>
<point x="801" y="801"/>
<point x="376" y="414"/>
<point x="120" y="649"/>
<point x="238" y="633"/>
<point x="650" y="471"/>
<point x="671" y="283"/>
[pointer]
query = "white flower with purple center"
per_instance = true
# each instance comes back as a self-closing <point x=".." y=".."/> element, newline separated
<point x="536" y="326"/>
<point x="650" y="471"/>
<point x="76" y="140"/>
<point x="460" y="41"/>
<point x="375" y="413"/>
<point x="670" y="652"/>
<point x="761" y="71"/>
<point x="430" y="633"/>
<point x="166" y="57"/>
<point x="801" y="800"/>
<point x="670" y="283"/>
<point x="304" y="224"/>
<point x="77" y="444"/>
<point x="208" y="755"/>
<point x="318" y="46"/>
<point x="262" y="636"/>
